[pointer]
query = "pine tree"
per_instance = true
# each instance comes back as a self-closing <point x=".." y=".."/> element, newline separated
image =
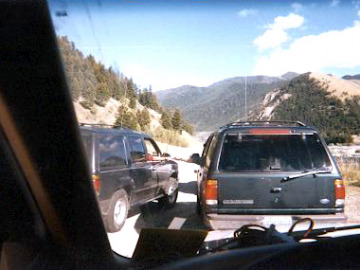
<point x="153" y="103"/>
<point x="126" y="119"/>
<point x="166" y="120"/>
<point x="176" y="120"/>
<point x="188" y="128"/>
<point x="130" y="89"/>
<point x="143" y="118"/>
<point x="129" y="121"/>
<point x="132" y="103"/>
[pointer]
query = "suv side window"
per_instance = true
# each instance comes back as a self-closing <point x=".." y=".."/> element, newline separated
<point x="152" y="148"/>
<point x="111" y="151"/>
<point x="86" y="139"/>
<point x="210" y="151"/>
<point x="206" y="146"/>
<point x="209" y="148"/>
<point x="137" y="150"/>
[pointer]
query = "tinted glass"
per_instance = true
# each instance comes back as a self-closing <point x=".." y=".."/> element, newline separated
<point x="210" y="151"/>
<point x="86" y="139"/>
<point x="151" y="148"/>
<point x="137" y="150"/>
<point x="111" y="151"/>
<point x="206" y="146"/>
<point x="273" y="153"/>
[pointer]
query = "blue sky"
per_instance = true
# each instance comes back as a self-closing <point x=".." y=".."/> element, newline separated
<point x="175" y="42"/>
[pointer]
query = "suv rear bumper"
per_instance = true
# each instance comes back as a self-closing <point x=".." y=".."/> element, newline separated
<point x="282" y="222"/>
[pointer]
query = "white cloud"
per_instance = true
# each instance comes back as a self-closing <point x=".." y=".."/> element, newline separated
<point x="296" y="7"/>
<point x="287" y="22"/>
<point x="276" y="35"/>
<point x="334" y="3"/>
<point x="332" y="49"/>
<point x="162" y="79"/>
<point x="358" y="13"/>
<point x="272" y="38"/>
<point x="247" y="12"/>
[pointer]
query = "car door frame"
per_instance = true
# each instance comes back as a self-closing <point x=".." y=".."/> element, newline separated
<point x="144" y="188"/>
<point x="161" y="167"/>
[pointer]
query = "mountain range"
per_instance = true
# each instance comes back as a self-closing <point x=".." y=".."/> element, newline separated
<point x="322" y="100"/>
<point x="228" y="100"/>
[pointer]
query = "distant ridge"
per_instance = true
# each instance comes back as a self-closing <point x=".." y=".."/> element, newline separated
<point x="210" y="107"/>
<point x="351" y="77"/>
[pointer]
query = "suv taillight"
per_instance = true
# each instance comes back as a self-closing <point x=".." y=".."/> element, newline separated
<point x="96" y="183"/>
<point x="339" y="192"/>
<point x="211" y="192"/>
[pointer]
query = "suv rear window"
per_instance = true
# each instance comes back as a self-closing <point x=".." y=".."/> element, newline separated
<point x="273" y="153"/>
<point x="111" y="151"/>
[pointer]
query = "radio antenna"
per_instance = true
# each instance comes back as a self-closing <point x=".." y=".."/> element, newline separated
<point x="246" y="116"/>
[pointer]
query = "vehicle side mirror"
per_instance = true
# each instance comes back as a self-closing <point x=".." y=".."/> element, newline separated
<point x="165" y="155"/>
<point x="195" y="158"/>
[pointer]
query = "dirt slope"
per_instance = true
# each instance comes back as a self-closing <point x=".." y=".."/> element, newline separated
<point x="338" y="87"/>
<point x="108" y="113"/>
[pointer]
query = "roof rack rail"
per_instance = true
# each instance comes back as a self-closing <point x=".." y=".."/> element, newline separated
<point x="266" y="123"/>
<point x="101" y="125"/>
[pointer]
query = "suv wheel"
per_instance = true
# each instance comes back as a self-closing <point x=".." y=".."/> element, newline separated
<point x="169" y="200"/>
<point x="118" y="211"/>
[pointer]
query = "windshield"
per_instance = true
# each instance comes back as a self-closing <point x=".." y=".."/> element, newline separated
<point x="273" y="153"/>
<point x="180" y="72"/>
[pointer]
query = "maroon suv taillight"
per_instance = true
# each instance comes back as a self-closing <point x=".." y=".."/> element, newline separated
<point x="96" y="183"/>
<point x="339" y="192"/>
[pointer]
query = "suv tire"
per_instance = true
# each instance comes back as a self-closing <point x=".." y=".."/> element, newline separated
<point x="169" y="201"/>
<point x="118" y="211"/>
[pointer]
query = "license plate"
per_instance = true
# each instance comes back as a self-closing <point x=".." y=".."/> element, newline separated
<point x="277" y="221"/>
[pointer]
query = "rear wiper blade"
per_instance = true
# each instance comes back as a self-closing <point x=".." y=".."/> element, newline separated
<point x="305" y="173"/>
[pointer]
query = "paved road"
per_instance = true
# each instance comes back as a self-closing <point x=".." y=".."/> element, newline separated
<point x="152" y="216"/>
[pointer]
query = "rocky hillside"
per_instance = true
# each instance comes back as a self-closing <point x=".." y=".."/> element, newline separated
<point x="108" y="113"/>
<point x="340" y="88"/>
<point x="329" y="103"/>
<point x="102" y="95"/>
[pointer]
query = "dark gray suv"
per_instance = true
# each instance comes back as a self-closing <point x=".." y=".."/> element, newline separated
<point x="127" y="169"/>
<point x="273" y="172"/>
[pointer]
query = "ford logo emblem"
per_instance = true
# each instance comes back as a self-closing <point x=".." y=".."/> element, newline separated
<point x="324" y="201"/>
